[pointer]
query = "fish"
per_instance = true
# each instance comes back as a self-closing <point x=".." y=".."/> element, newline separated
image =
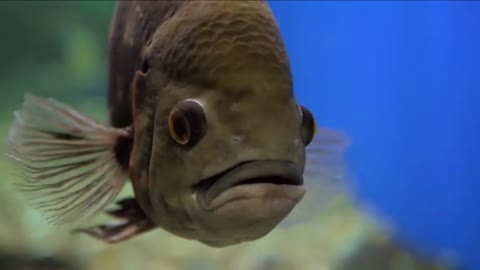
<point x="203" y="124"/>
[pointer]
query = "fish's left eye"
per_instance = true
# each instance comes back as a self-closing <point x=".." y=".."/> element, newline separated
<point x="187" y="122"/>
<point x="309" y="126"/>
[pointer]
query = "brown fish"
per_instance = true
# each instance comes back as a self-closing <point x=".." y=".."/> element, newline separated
<point x="203" y="121"/>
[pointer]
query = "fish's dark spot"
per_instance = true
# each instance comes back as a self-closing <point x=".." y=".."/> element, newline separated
<point x="122" y="151"/>
<point x="145" y="66"/>
<point x="65" y="136"/>
<point x="236" y="139"/>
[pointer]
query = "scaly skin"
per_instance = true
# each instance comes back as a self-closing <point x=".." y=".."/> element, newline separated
<point x="230" y="57"/>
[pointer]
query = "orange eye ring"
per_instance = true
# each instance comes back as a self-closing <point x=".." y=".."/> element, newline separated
<point x="179" y="127"/>
<point x="187" y="122"/>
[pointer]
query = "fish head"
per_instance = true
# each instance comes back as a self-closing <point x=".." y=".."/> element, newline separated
<point x="226" y="163"/>
<point x="227" y="148"/>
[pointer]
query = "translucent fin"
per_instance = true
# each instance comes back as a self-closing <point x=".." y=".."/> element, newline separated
<point x="64" y="160"/>
<point x="132" y="221"/>
<point x="325" y="176"/>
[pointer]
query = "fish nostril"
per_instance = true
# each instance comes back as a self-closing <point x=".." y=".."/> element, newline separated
<point x="236" y="139"/>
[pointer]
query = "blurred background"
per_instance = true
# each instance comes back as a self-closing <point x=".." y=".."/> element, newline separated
<point x="400" y="78"/>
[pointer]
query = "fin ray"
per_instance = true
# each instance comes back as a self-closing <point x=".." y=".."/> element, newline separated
<point x="64" y="160"/>
<point x="131" y="221"/>
<point x="325" y="176"/>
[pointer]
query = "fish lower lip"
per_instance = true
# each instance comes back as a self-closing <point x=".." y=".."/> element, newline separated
<point x="273" y="172"/>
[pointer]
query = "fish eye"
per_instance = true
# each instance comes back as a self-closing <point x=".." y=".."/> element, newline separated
<point x="187" y="122"/>
<point x="309" y="126"/>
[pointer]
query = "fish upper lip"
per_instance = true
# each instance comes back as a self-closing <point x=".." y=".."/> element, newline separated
<point x="274" y="172"/>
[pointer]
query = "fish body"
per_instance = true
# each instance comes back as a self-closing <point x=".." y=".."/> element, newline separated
<point x="203" y="121"/>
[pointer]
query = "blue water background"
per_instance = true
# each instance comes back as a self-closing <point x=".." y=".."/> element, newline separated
<point x="403" y="79"/>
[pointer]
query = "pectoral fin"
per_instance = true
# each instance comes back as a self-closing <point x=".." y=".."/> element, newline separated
<point x="67" y="163"/>
<point x="132" y="222"/>
<point x="326" y="175"/>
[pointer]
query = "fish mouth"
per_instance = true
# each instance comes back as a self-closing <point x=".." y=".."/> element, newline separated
<point x="250" y="179"/>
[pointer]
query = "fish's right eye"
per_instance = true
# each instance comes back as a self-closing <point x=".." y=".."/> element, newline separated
<point x="187" y="123"/>
<point x="309" y="127"/>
